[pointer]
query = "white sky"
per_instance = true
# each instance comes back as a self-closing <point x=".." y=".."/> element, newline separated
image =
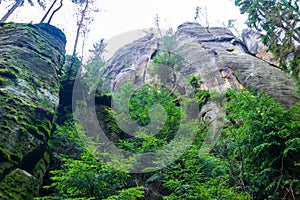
<point x="119" y="16"/>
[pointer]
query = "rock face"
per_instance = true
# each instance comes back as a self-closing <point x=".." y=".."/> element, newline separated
<point x="253" y="41"/>
<point x="31" y="57"/>
<point x="215" y="54"/>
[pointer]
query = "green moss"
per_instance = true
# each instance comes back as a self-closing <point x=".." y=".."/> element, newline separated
<point x="47" y="157"/>
<point x="4" y="155"/>
<point x="34" y="130"/>
<point x="12" y="157"/>
<point x="23" y="119"/>
<point x="13" y="118"/>
<point x="3" y="93"/>
<point x="38" y="84"/>
<point x="5" y="123"/>
<point x="16" y="157"/>
<point x="39" y="170"/>
<point x="18" y="185"/>
<point x="12" y="110"/>
<point x="4" y="24"/>
<point x="8" y="74"/>
<point x="14" y="68"/>
<point x="23" y="130"/>
<point x="44" y="128"/>
<point x="2" y="81"/>
<point x="5" y="129"/>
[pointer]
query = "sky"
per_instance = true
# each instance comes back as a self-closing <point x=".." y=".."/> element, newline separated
<point x="118" y="17"/>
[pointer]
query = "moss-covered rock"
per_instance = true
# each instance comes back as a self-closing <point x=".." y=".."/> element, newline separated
<point x="31" y="59"/>
<point x="19" y="184"/>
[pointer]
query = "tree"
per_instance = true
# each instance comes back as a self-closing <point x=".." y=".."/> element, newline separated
<point x="19" y="3"/>
<point x="99" y="49"/>
<point x="77" y="174"/>
<point x="199" y="14"/>
<point x="48" y="11"/>
<point x="83" y="17"/>
<point x="61" y="4"/>
<point x="260" y="145"/>
<point x="280" y="20"/>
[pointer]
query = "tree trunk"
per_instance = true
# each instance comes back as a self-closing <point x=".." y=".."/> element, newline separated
<point x="80" y="25"/>
<point x="61" y="4"/>
<point x="48" y="11"/>
<point x="77" y="35"/>
<point x="13" y="8"/>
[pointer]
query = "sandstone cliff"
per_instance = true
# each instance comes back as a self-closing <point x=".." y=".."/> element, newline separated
<point x="221" y="59"/>
<point x="31" y="57"/>
<point x="31" y="60"/>
<point x="214" y="54"/>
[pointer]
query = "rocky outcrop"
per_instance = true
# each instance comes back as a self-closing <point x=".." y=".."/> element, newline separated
<point x="253" y="41"/>
<point x="215" y="54"/>
<point x="31" y="58"/>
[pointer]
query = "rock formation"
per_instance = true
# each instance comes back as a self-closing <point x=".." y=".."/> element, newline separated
<point x="253" y="41"/>
<point x="214" y="54"/>
<point x="31" y="57"/>
<point x="221" y="59"/>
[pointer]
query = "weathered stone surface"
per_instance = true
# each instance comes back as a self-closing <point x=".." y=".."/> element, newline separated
<point x="133" y="56"/>
<point x="215" y="54"/>
<point x="31" y="57"/>
<point x="253" y="41"/>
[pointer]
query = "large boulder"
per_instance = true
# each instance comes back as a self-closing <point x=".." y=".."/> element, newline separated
<point x="31" y="58"/>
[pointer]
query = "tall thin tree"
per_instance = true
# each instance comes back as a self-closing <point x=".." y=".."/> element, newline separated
<point x="19" y="3"/>
<point x="48" y="11"/>
<point x="59" y="7"/>
<point x="79" y="27"/>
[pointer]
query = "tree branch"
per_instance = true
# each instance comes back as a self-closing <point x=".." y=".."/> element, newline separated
<point x="13" y="8"/>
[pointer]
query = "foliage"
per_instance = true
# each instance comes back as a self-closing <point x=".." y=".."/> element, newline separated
<point x="94" y="70"/>
<point x="194" y="176"/>
<point x="71" y="67"/>
<point x="280" y="20"/>
<point x="99" y="49"/>
<point x="81" y="175"/>
<point x="65" y="142"/>
<point x="168" y="54"/>
<point x="128" y="194"/>
<point x="261" y="146"/>
<point x="143" y="113"/>
<point x="201" y="95"/>
<point x="90" y="178"/>
<point x="298" y="88"/>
